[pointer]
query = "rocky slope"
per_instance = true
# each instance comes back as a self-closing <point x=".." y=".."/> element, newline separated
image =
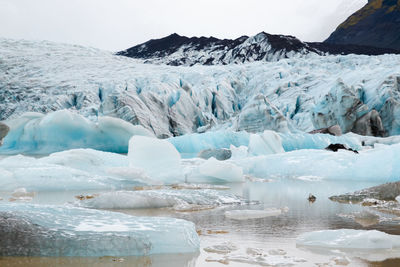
<point x="377" y="24"/>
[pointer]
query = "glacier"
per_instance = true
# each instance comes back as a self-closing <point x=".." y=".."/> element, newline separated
<point x="63" y="231"/>
<point x="293" y="94"/>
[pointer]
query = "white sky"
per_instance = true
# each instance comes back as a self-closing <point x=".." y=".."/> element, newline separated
<point x="119" y="24"/>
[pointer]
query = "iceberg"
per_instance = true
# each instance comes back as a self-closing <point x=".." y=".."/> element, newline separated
<point x="349" y="239"/>
<point x="190" y="145"/>
<point x="379" y="164"/>
<point x="215" y="171"/>
<point x="158" y="158"/>
<point x="63" y="231"/>
<point x="164" y="198"/>
<point x="266" y="143"/>
<point x="78" y="169"/>
<point x="297" y="141"/>
<point x="35" y="133"/>
<point x="252" y="214"/>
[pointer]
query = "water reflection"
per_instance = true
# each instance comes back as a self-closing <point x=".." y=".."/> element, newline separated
<point x="270" y="233"/>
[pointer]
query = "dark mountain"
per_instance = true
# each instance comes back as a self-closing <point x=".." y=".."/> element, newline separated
<point x="376" y="24"/>
<point x="180" y="50"/>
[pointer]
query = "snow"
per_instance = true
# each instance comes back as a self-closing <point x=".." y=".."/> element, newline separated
<point x="59" y="231"/>
<point x="164" y="198"/>
<point x="35" y="133"/>
<point x="349" y="239"/>
<point x="158" y="158"/>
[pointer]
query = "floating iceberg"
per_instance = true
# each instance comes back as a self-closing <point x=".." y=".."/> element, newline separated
<point x="35" y="133"/>
<point x="252" y="214"/>
<point x="191" y="145"/>
<point x="159" y="158"/>
<point x="379" y="164"/>
<point x="178" y="199"/>
<point x="296" y="141"/>
<point x="349" y="239"/>
<point x="58" y="231"/>
<point x="80" y="169"/>
<point x="215" y="171"/>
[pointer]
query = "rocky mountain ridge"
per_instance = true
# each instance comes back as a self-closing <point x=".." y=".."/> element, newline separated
<point x="179" y="50"/>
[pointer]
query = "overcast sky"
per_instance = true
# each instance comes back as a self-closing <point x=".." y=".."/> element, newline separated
<point x="118" y="24"/>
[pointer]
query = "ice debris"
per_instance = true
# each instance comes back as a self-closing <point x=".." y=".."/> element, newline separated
<point x="252" y="214"/>
<point x="164" y="198"/>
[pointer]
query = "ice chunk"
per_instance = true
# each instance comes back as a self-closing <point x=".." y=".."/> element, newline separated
<point x="58" y="231"/>
<point x="224" y="248"/>
<point x="349" y="239"/>
<point x="239" y="152"/>
<point x="265" y="143"/>
<point x="160" y="199"/>
<point x="215" y="171"/>
<point x="191" y="144"/>
<point x="295" y="141"/>
<point x="369" y="165"/>
<point x="159" y="158"/>
<point x="80" y="169"/>
<point x="252" y="214"/>
<point x="35" y="133"/>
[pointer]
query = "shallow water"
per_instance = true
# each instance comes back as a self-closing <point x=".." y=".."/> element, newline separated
<point x="270" y="233"/>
